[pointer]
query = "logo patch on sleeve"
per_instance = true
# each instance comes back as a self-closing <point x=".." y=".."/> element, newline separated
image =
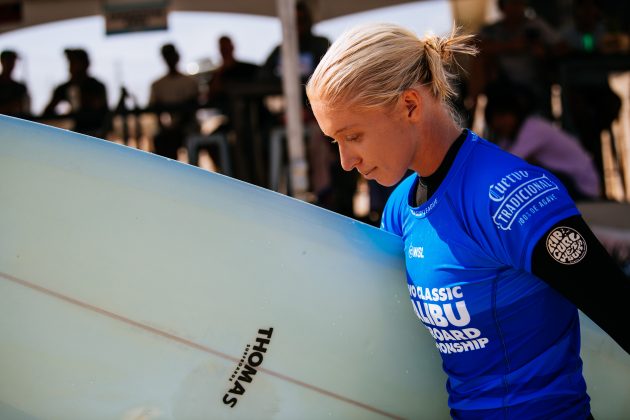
<point x="566" y="245"/>
<point x="518" y="196"/>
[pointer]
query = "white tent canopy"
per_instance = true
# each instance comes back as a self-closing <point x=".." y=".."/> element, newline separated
<point x="34" y="12"/>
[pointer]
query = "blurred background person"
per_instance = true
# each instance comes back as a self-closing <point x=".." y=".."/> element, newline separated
<point x="590" y="105"/>
<point x="334" y="188"/>
<point x="86" y="96"/>
<point x="14" y="98"/>
<point x="174" y="97"/>
<point x="231" y="74"/>
<point x="230" y="71"/>
<point x="515" y="127"/>
<point x="517" y="48"/>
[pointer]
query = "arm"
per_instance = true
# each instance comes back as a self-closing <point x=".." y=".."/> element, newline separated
<point x="58" y="96"/>
<point x="586" y="275"/>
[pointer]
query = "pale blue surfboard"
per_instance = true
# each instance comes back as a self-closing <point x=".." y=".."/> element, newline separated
<point x="134" y="287"/>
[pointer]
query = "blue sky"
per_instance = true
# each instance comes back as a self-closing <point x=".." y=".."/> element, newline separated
<point x="134" y="60"/>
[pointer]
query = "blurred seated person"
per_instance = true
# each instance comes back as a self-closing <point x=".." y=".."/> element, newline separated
<point x="14" y="98"/>
<point x="229" y="74"/>
<point x="230" y="71"/>
<point x="174" y="97"/>
<point x="86" y="96"/>
<point x="515" y="127"/>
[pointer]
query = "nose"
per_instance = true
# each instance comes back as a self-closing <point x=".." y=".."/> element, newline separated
<point x="349" y="160"/>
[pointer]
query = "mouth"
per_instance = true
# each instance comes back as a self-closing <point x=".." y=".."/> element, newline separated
<point x="367" y="173"/>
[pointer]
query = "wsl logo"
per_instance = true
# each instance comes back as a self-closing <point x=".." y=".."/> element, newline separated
<point x="514" y="193"/>
<point x="415" y="251"/>
<point x="247" y="367"/>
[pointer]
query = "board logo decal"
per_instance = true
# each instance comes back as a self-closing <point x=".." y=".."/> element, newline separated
<point x="253" y="357"/>
<point x="566" y="245"/>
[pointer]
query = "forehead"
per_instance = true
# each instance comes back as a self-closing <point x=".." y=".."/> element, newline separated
<point x="334" y="119"/>
<point x="331" y="118"/>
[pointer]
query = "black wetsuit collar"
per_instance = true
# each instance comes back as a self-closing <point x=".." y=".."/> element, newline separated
<point x="427" y="185"/>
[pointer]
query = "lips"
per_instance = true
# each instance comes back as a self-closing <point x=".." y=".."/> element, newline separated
<point x="367" y="173"/>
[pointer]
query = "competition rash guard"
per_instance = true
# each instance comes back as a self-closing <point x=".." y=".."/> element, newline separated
<point x="509" y="342"/>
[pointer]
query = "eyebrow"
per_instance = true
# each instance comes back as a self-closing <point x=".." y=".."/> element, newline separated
<point x="343" y="129"/>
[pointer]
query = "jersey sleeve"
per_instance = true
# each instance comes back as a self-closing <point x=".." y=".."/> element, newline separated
<point x="522" y="204"/>
<point x="568" y="257"/>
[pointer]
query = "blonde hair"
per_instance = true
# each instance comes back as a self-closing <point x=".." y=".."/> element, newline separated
<point x="370" y="65"/>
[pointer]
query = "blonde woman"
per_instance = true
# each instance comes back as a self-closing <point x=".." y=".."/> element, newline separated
<point x="491" y="242"/>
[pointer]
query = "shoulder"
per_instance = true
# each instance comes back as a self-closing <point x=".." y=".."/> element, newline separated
<point x="275" y="53"/>
<point x="504" y="187"/>
<point x="487" y="160"/>
<point x="485" y="167"/>
<point x="189" y="81"/>
<point x="241" y="71"/>
<point x="93" y="82"/>
<point x="320" y="40"/>
<point x="180" y="78"/>
<point x="157" y="84"/>
<point x="17" y="86"/>
<point x="539" y="130"/>
<point x="62" y="87"/>
<point x="533" y="128"/>
<point x="318" y="45"/>
<point x="244" y="65"/>
<point x="14" y="86"/>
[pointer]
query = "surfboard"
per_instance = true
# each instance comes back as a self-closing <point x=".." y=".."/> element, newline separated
<point x="136" y="287"/>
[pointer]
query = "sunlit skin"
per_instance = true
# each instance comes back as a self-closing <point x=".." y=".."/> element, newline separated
<point x="383" y="143"/>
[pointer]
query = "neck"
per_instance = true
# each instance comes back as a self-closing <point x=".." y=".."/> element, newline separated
<point x="437" y="133"/>
<point x="78" y="77"/>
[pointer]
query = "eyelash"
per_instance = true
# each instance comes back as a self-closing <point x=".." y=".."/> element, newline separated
<point x="351" y="138"/>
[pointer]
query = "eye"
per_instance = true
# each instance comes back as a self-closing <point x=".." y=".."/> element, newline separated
<point x="352" y="137"/>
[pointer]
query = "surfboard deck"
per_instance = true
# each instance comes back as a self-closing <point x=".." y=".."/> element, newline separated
<point x="131" y="286"/>
<point x="136" y="287"/>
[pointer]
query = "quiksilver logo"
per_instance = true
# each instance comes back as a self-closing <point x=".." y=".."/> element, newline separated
<point x="253" y="357"/>
<point x="514" y="193"/>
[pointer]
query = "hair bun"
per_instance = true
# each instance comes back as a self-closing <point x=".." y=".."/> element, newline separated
<point x="439" y="45"/>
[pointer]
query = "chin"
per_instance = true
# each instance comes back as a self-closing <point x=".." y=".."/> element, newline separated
<point x="387" y="181"/>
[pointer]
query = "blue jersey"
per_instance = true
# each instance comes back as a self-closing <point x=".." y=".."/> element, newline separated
<point x="508" y="341"/>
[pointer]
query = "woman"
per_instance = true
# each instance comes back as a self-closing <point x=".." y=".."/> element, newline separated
<point x="491" y="242"/>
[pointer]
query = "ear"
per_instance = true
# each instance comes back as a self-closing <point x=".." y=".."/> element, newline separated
<point x="412" y="104"/>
